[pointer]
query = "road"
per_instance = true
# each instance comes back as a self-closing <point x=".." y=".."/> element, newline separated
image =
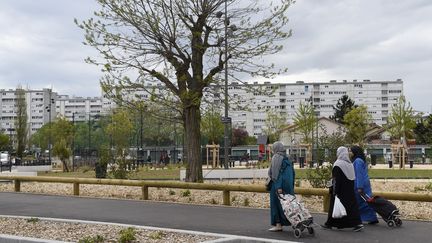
<point x="216" y="219"/>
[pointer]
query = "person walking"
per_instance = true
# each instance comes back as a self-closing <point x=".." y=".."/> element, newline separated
<point x="281" y="173"/>
<point x="343" y="177"/>
<point x="362" y="186"/>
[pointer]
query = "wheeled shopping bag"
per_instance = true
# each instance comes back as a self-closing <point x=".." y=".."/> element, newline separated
<point x="297" y="214"/>
<point x="386" y="209"/>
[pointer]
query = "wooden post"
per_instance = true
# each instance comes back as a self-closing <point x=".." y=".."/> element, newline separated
<point x="145" y="195"/>
<point x="17" y="184"/>
<point x="326" y="203"/>
<point x="76" y="189"/>
<point x="226" y="198"/>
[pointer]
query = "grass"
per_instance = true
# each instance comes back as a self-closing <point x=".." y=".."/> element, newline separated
<point x="173" y="173"/>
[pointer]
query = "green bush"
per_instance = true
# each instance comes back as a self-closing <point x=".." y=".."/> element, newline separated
<point x="90" y="239"/>
<point x="186" y="193"/>
<point x="171" y="192"/>
<point x="246" y="202"/>
<point x="318" y="177"/>
<point x="157" y="235"/>
<point x="127" y="235"/>
<point x="32" y="220"/>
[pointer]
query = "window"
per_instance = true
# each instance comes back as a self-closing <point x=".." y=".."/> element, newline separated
<point x="292" y="93"/>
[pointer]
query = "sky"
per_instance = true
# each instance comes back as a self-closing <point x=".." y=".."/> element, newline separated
<point x="41" y="47"/>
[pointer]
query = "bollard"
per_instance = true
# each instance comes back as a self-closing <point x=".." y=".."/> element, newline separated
<point x="76" y="189"/>
<point x="390" y="164"/>
<point x="226" y="198"/>
<point x="145" y="195"/>
<point x="17" y="184"/>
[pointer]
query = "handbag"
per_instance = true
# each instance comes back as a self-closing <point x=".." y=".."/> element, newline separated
<point x="339" y="210"/>
<point x="268" y="184"/>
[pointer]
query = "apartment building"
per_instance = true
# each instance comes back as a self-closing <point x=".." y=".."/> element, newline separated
<point x="40" y="109"/>
<point x="79" y="108"/>
<point x="249" y="103"/>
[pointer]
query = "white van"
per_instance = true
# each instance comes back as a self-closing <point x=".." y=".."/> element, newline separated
<point x="4" y="158"/>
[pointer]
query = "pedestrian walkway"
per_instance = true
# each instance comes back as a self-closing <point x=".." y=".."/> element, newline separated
<point x="214" y="219"/>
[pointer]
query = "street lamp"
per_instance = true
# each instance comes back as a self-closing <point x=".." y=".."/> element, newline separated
<point x="226" y="119"/>
<point x="49" y="108"/>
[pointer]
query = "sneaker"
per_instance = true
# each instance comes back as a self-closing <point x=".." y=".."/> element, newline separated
<point x="373" y="222"/>
<point x="275" y="229"/>
<point x="358" y="228"/>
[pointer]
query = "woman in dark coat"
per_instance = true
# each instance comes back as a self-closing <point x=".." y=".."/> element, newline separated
<point x="343" y="177"/>
<point x="362" y="185"/>
<point x="281" y="172"/>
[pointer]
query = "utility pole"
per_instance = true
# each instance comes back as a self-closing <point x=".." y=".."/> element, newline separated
<point x="73" y="141"/>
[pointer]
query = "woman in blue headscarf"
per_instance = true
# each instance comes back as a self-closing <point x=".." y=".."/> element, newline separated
<point x="362" y="185"/>
<point x="281" y="172"/>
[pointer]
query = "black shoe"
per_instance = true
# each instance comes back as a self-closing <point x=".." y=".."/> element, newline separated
<point x="373" y="222"/>
<point x="326" y="226"/>
<point x="358" y="228"/>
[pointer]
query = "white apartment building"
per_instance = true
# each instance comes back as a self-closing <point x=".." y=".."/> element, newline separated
<point x="39" y="104"/>
<point x="378" y="96"/>
<point x="79" y="108"/>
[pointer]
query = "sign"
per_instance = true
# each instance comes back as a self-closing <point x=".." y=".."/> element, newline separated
<point x="226" y="119"/>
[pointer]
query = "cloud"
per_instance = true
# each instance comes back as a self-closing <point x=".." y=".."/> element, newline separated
<point x="332" y="39"/>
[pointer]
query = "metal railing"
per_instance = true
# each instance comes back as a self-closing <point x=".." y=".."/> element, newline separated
<point x="224" y="188"/>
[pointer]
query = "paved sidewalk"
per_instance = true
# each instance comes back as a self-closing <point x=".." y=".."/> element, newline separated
<point x="215" y="219"/>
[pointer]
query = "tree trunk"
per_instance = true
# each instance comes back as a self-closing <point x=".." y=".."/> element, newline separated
<point x="192" y="139"/>
<point x="65" y="167"/>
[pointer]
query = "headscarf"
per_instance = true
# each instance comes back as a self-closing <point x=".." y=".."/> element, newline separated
<point x="358" y="153"/>
<point x="276" y="163"/>
<point x="344" y="163"/>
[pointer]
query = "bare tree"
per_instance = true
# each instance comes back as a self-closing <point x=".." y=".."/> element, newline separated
<point x="180" y="44"/>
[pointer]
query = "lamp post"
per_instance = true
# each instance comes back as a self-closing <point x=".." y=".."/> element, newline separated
<point x="49" y="108"/>
<point x="226" y="119"/>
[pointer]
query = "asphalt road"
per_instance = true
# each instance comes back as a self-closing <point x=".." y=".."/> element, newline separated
<point x="215" y="219"/>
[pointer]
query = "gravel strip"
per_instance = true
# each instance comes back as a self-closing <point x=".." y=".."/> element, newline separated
<point x="75" y="232"/>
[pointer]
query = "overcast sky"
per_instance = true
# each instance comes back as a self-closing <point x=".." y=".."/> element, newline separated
<point x="40" y="46"/>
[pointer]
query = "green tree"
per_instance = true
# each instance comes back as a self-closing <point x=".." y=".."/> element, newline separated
<point x="401" y="122"/>
<point x="63" y="152"/>
<point x="343" y="106"/>
<point x="4" y="141"/>
<point x="21" y="121"/>
<point x="423" y="131"/>
<point x="40" y="137"/>
<point x="357" y="121"/>
<point x="306" y="122"/>
<point x="179" y="44"/>
<point x="273" y="124"/>
<point x="212" y="126"/>
<point x="120" y="131"/>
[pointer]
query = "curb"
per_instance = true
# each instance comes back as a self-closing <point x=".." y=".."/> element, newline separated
<point x="21" y="239"/>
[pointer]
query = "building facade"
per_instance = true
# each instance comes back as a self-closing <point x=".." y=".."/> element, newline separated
<point x="40" y="109"/>
<point x="250" y="103"/>
<point x="79" y="108"/>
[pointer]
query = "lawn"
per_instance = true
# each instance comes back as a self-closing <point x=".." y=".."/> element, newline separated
<point x="173" y="173"/>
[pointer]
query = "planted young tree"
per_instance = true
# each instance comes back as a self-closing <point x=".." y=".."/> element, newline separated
<point x="343" y="106"/>
<point x="4" y="141"/>
<point x="306" y="122"/>
<point x="21" y="122"/>
<point x="63" y="152"/>
<point x="357" y="121"/>
<point x="273" y="124"/>
<point x="120" y="130"/>
<point x="179" y="43"/>
<point x="401" y="122"/>
<point x="212" y="126"/>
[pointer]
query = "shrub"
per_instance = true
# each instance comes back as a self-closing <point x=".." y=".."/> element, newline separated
<point x="90" y="239"/>
<point x="171" y="192"/>
<point x="318" y="177"/>
<point x="186" y="193"/>
<point x="127" y="235"/>
<point x="246" y="202"/>
<point x="32" y="220"/>
<point x="213" y="201"/>
<point x="157" y="235"/>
